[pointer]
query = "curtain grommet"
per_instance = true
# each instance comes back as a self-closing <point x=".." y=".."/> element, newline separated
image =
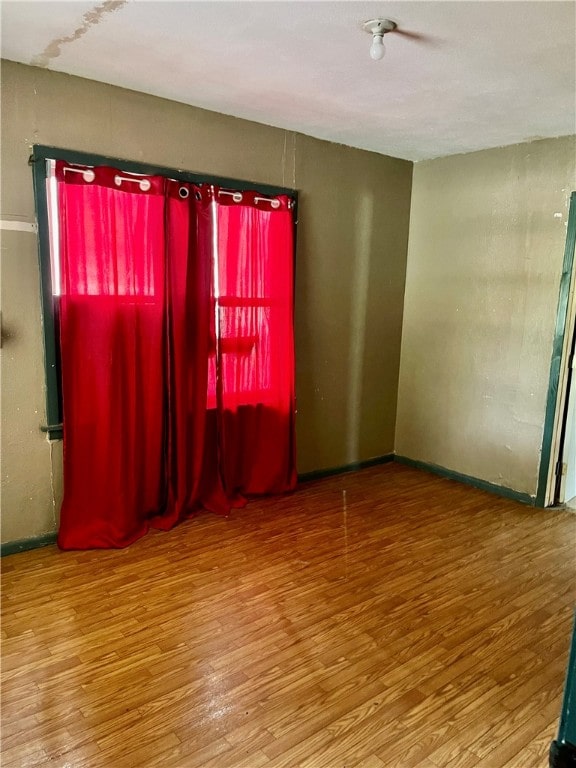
<point x="183" y="193"/>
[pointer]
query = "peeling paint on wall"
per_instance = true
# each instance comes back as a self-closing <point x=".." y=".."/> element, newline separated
<point x="90" y="18"/>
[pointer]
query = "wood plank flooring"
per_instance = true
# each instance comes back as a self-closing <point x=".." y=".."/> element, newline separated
<point x="382" y="619"/>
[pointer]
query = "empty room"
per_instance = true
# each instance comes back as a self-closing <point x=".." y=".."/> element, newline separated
<point x="288" y="403"/>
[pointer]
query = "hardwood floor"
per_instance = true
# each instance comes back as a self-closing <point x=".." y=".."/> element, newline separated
<point x="386" y="618"/>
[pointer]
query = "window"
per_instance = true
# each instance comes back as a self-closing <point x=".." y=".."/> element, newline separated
<point x="241" y="313"/>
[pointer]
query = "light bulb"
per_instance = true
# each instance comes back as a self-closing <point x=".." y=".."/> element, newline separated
<point x="377" y="49"/>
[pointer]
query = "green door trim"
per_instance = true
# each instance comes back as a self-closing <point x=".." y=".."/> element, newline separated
<point x="557" y="349"/>
<point x="563" y="749"/>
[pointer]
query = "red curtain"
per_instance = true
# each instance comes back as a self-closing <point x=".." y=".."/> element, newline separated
<point x="176" y="352"/>
<point x="255" y="285"/>
<point x="112" y="258"/>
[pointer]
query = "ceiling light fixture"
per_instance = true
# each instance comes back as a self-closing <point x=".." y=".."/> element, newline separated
<point x="378" y="28"/>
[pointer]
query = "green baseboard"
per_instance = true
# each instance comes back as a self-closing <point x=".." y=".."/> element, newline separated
<point x="21" y="545"/>
<point x="316" y="474"/>
<point x="483" y="485"/>
<point x="11" y="547"/>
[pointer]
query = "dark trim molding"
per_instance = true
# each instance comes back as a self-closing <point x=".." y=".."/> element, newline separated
<point x="566" y="739"/>
<point x="21" y="545"/>
<point x="483" y="485"/>
<point x="49" y="315"/>
<point x="317" y="474"/>
<point x="557" y="347"/>
<point x="562" y="755"/>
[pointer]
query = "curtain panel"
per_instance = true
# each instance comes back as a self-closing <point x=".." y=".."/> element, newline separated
<point x="177" y="351"/>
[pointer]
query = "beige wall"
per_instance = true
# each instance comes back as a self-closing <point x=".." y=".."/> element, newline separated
<point x="487" y="234"/>
<point x="351" y="255"/>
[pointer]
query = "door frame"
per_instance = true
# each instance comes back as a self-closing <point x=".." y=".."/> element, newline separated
<point x="557" y="387"/>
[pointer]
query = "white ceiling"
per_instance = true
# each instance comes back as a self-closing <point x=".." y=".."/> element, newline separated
<point x="488" y="74"/>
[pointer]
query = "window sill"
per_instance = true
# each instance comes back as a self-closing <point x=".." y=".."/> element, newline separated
<point x="54" y="431"/>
